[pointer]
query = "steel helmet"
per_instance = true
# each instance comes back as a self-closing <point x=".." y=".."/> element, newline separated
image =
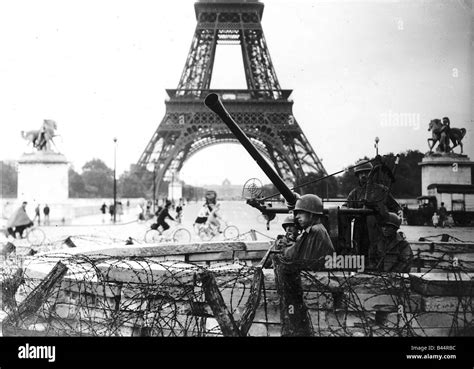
<point x="289" y="220"/>
<point x="366" y="167"/>
<point x="394" y="220"/>
<point x="309" y="203"/>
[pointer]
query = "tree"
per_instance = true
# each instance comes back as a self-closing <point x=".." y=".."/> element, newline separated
<point x="8" y="180"/>
<point x="76" y="184"/>
<point x="98" y="179"/>
<point x="407" y="175"/>
<point x="137" y="182"/>
<point x="325" y="188"/>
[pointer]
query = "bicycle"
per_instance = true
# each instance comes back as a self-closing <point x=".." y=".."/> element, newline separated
<point x="174" y="234"/>
<point x="208" y="231"/>
<point x="34" y="235"/>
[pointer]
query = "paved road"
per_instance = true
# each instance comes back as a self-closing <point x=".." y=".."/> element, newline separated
<point x="236" y="213"/>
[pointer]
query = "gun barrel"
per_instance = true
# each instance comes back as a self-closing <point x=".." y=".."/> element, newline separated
<point x="213" y="102"/>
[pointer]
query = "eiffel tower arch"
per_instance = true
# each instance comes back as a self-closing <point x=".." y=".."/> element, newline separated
<point x="263" y="110"/>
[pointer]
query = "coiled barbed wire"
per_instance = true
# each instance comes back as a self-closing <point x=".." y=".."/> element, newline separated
<point x="103" y="295"/>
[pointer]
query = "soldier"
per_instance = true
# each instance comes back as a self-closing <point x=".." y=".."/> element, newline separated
<point x="394" y="253"/>
<point x="368" y="230"/>
<point x="313" y="244"/>
<point x="286" y="240"/>
<point x="291" y="233"/>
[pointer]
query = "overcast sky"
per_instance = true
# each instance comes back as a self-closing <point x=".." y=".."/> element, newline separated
<point x="100" y="69"/>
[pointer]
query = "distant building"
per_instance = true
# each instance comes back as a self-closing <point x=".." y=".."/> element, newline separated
<point x="227" y="191"/>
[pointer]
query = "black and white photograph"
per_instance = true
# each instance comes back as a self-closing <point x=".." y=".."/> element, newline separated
<point x="188" y="183"/>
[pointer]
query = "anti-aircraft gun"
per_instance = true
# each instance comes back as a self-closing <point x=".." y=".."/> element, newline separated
<point x="337" y="220"/>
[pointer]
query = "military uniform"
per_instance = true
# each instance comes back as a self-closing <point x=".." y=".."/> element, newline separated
<point x="394" y="254"/>
<point x="367" y="230"/>
<point x="310" y="248"/>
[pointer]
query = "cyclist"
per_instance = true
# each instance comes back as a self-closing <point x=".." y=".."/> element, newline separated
<point x="19" y="221"/>
<point x="162" y="215"/>
<point x="215" y="219"/>
<point x="203" y="215"/>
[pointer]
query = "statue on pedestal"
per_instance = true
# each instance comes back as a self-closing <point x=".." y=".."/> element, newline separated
<point x="443" y="133"/>
<point x="42" y="138"/>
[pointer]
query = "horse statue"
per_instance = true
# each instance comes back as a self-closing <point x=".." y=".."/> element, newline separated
<point x="442" y="133"/>
<point x="42" y="138"/>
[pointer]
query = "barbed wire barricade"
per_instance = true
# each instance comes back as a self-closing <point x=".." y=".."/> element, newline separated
<point x="227" y="293"/>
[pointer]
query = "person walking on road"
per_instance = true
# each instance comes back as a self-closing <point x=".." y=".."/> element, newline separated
<point x="435" y="219"/>
<point x="46" y="214"/>
<point x="443" y="215"/>
<point x="103" y="210"/>
<point x="37" y="214"/>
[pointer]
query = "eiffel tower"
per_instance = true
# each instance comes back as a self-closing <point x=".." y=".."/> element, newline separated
<point x="263" y="110"/>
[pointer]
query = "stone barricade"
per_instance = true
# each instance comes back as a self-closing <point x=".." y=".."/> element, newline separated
<point x="158" y="290"/>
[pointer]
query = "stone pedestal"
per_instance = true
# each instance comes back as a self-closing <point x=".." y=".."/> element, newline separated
<point x="445" y="169"/>
<point x="175" y="191"/>
<point x="43" y="179"/>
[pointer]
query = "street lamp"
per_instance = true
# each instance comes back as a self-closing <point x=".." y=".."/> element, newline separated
<point x="154" y="162"/>
<point x="154" y="186"/>
<point x="115" y="178"/>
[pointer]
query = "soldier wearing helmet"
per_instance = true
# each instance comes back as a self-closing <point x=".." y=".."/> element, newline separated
<point x="291" y="228"/>
<point x="368" y="230"/>
<point x="313" y="244"/>
<point x="288" y="239"/>
<point x="357" y="195"/>
<point x="394" y="253"/>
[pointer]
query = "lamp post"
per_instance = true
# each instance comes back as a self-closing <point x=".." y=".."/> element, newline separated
<point x="154" y="186"/>
<point x="115" y="178"/>
<point x="376" y="145"/>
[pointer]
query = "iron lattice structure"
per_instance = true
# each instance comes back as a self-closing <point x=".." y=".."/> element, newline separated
<point x="263" y="110"/>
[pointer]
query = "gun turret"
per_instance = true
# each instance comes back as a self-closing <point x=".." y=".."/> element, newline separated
<point x="213" y="102"/>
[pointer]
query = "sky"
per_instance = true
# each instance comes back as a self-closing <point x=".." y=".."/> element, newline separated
<point x="358" y="69"/>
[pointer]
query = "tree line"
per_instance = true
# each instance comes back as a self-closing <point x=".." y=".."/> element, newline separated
<point x="96" y="180"/>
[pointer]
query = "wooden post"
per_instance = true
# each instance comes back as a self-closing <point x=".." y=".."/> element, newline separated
<point x="293" y="312"/>
<point x="37" y="297"/>
<point x="214" y="298"/>
<point x="252" y="302"/>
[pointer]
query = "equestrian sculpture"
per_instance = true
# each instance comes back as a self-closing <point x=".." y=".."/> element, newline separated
<point x="42" y="138"/>
<point x="443" y="133"/>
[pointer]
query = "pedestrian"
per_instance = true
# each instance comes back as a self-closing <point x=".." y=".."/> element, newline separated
<point x="435" y="219"/>
<point x="37" y="214"/>
<point x="148" y="214"/>
<point x="103" y="210"/>
<point x="119" y="210"/>
<point x="179" y="212"/>
<point x="394" y="253"/>
<point x="313" y="244"/>
<point x="46" y="214"/>
<point x="111" y="212"/>
<point x="443" y="215"/>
